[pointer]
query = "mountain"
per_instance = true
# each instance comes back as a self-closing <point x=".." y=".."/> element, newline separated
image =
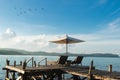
<point x="7" y="51"/>
<point x="101" y="55"/>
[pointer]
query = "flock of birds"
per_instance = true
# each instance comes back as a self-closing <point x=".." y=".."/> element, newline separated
<point x="21" y="11"/>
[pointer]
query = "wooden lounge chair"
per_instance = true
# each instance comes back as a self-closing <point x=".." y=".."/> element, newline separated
<point x="78" y="60"/>
<point x="62" y="60"/>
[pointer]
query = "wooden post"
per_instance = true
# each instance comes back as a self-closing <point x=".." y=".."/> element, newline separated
<point x="20" y="63"/>
<point x="35" y="63"/>
<point x="91" y="66"/>
<point x="90" y="71"/>
<point x="7" y="71"/>
<point x="24" y="64"/>
<point x="14" y="63"/>
<point x="7" y="62"/>
<point x="13" y="76"/>
<point x="60" y="76"/>
<point x="32" y="61"/>
<point x="24" y="77"/>
<point x="46" y="61"/>
<point x="110" y="68"/>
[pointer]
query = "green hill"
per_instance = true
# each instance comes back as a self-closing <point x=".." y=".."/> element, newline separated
<point x="4" y="51"/>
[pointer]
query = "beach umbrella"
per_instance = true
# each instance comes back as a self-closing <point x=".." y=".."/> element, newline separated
<point x="67" y="40"/>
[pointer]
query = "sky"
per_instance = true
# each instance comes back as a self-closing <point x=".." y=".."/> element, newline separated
<point x="31" y="24"/>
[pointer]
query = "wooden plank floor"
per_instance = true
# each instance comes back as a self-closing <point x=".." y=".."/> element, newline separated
<point x="98" y="74"/>
<point x="43" y="67"/>
<point x="74" y="70"/>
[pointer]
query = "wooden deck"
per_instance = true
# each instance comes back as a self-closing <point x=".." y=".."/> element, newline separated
<point x="49" y="72"/>
<point x="74" y="70"/>
<point x="98" y="74"/>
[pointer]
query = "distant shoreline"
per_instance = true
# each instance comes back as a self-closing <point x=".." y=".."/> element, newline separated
<point x="60" y="55"/>
<point x="23" y="52"/>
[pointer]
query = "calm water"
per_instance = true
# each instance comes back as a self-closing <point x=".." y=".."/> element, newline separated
<point x="99" y="62"/>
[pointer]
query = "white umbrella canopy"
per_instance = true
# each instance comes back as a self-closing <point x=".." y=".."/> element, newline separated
<point x="67" y="40"/>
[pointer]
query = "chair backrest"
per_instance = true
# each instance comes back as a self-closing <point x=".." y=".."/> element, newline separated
<point x="62" y="59"/>
<point x="78" y="60"/>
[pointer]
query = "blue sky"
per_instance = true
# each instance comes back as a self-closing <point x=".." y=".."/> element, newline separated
<point x="27" y="23"/>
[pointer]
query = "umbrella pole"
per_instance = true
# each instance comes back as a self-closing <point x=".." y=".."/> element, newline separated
<point x="66" y="46"/>
<point x="66" y="49"/>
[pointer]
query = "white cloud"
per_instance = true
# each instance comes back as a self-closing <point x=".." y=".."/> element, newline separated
<point x="112" y="28"/>
<point x="26" y="28"/>
<point x="107" y="46"/>
<point x="8" y="34"/>
<point x="105" y="41"/>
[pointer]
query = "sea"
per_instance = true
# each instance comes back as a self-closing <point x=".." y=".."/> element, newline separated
<point x="101" y="63"/>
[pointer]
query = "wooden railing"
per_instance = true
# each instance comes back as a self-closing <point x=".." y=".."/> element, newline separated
<point x="45" y="59"/>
